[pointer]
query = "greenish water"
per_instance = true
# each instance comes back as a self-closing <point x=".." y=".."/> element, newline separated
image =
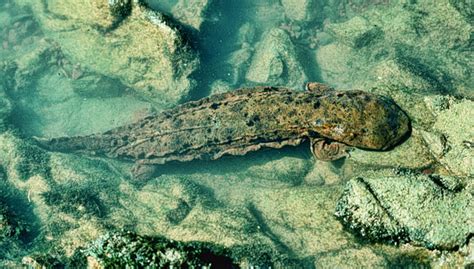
<point x="69" y="68"/>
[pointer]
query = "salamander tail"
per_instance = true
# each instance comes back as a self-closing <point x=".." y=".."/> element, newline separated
<point x="71" y="144"/>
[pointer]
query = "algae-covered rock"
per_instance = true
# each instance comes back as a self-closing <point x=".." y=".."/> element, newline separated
<point x="220" y="86"/>
<point x="351" y="258"/>
<point x="144" y="51"/>
<point x="129" y="250"/>
<point x="46" y="87"/>
<point x="191" y="12"/>
<point x="407" y="207"/>
<point x="299" y="10"/>
<point x="456" y="126"/>
<point x="21" y="159"/>
<point x="357" y="32"/>
<point x="419" y="46"/>
<point x="275" y="61"/>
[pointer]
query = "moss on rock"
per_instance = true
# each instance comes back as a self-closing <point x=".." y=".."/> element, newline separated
<point x="129" y="250"/>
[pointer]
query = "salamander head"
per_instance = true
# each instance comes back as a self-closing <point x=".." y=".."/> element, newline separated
<point x="361" y="120"/>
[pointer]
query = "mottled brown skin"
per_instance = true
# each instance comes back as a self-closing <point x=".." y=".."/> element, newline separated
<point x="246" y="120"/>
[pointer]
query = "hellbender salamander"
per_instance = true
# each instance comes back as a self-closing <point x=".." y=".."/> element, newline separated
<point x="245" y="120"/>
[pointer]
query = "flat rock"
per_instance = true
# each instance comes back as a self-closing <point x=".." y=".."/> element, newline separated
<point x="41" y="107"/>
<point x="299" y="10"/>
<point x="144" y="51"/>
<point x="275" y="62"/>
<point x="419" y="47"/>
<point x="456" y="126"/>
<point x="406" y="207"/>
<point x="351" y="258"/>
<point x="191" y="12"/>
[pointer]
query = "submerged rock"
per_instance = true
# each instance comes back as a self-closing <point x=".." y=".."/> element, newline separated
<point x="407" y="207"/>
<point x="240" y="59"/>
<point x="129" y="250"/>
<point x="299" y="10"/>
<point x="455" y="146"/>
<point x="357" y="32"/>
<point x="18" y="225"/>
<point x="46" y="86"/>
<point x="351" y="258"/>
<point x="145" y="52"/>
<point x="275" y="62"/>
<point x="418" y="46"/>
<point x="192" y="12"/>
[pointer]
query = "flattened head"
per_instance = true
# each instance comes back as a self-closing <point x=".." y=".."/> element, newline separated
<point x="362" y="120"/>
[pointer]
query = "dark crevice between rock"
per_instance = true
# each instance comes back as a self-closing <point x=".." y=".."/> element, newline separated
<point x="120" y="9"/>
<point x="214" y="40"/>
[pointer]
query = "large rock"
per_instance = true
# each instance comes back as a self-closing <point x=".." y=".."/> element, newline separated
<point x="454" y="127"/>
<point x="121" y="249"/>
<point x="191" y="12"/>
<point x="422" y="47"/>
<point x="299" y="10"/>
<point x="407" y="207"/>
<point x="143" y="51"/>
<point x="45" y="92"/>
<point x="275" y="61"/>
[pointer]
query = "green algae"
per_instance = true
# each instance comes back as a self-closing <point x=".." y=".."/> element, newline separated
<point x="32" y="161"/>
<point x="125" y="249"/>
<point x="76" y="199"/>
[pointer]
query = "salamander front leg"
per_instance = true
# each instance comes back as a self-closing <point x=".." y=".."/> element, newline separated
<point x="327" y="150"/>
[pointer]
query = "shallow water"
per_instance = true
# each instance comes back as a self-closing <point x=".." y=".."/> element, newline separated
<point x="67" y="70"/>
